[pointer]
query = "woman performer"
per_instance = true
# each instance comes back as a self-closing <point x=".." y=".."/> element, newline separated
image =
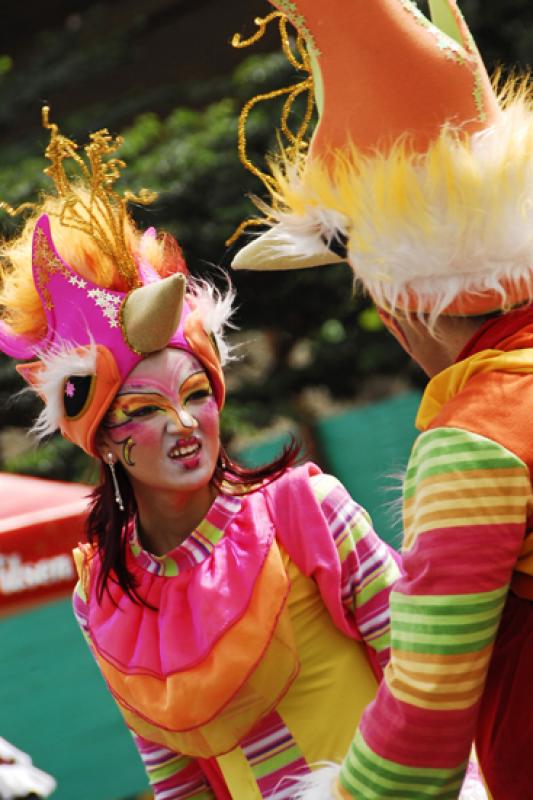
<point x="238" y="616"/>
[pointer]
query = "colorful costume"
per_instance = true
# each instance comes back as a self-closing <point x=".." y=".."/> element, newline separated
<point x="230" y="686"/>
<point x="422" y="179"/>
<point x="239" y="645"/>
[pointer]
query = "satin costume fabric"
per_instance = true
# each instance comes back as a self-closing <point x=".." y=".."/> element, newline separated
<point x="270" y="634"/>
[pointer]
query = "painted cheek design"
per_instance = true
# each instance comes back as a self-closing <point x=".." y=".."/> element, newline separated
<point x="127" y="447"/>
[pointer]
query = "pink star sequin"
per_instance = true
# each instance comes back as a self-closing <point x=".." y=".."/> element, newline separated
<point x="70" y="389"/>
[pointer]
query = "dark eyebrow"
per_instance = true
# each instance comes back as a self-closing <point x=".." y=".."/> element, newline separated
<point x="136" y="390"/>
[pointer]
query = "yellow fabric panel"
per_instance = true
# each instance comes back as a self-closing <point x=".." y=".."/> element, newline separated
<point x="239" y="776"/>
<point x="323" y="706"/>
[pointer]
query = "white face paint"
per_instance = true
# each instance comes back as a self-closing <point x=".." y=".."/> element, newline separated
<point x="164" y="423"/>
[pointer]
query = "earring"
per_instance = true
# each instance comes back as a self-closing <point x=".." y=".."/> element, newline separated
<point x="111" y="463"/>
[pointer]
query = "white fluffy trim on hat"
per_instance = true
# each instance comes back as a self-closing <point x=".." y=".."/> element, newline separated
<point x="429" y="226"/>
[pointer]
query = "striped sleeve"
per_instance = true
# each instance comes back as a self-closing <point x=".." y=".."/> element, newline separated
<point x="465" y="508"/>
<point x="368" y="570"/>
<point x="171" y="775"/>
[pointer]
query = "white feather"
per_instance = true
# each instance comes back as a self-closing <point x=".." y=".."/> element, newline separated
<point x="57" y="365"/>
<point x="473" y="790"/>
<point x="215" y="311"/>
<point x="317" y="785"/>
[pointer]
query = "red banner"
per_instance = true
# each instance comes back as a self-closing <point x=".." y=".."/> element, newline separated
<point x="40" y="523"/>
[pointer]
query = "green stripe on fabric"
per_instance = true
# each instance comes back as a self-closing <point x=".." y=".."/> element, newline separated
<point x="276" y="762"/>
<point x="372" y="777"/>
<point x="448" y="438"/>
<point x="410" y="602"/>
<point x="474" y="449"/>
<point x="350" y="536"/>
<point x="171" y="767"/>
<point x="170" y="568"/>
<point x="471" y="645"/>
<point x="209" y="532"/>
<point x="384" y="577"/>
<point x="458" y="631"/>
<point x="468" y="464"/>
<point x="322" y="485"/>
<point x="440" y="619"/>
<point x="380" y="643"/>
<point x="436" y="453"/>
<point x="445" y="623"/>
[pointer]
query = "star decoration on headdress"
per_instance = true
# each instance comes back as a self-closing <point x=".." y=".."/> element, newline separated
<point x="109" y="303"/>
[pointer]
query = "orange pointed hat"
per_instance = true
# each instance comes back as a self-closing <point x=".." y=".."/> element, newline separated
<point x="417" y="173"/>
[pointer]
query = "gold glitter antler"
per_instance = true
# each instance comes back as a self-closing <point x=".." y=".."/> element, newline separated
<point x="103" y="215"/>
<point x="296" y="140"/>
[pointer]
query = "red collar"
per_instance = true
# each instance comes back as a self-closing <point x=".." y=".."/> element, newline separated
<point x="492" y="335"/>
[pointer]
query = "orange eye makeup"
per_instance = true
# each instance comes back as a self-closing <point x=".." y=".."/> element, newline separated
<point x="133" y="405"/>
<point x="127" y="407"/>
<point x="195" y="387"/>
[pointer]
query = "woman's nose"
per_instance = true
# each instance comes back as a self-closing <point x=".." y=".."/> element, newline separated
<point x="180" y="421"/>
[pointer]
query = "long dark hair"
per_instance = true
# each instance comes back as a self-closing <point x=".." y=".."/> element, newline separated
<point x="107" y="524"/>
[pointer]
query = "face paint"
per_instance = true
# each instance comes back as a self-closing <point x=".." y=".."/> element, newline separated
<point x="167" y="413"/>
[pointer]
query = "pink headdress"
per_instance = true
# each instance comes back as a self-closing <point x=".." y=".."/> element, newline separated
<point x="95" y="335"/>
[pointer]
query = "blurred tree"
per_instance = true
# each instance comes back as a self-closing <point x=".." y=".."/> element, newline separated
<point x="318" y="333"/>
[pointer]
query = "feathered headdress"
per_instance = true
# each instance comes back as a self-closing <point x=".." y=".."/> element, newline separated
<point x="97" y="323"/>
<point x="417" y="174"/>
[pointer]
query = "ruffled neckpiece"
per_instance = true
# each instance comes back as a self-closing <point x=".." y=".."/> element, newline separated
<point x="196" y="547"/>
<point x="209" y="651"/>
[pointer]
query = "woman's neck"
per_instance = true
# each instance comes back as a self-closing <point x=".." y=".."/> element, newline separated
<point x="166" y="518"/>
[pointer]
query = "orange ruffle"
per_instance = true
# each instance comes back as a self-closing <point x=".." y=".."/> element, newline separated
<point x="205" y="710"/>
<point x="260" y="693"/>
<point x="175" y="701"/>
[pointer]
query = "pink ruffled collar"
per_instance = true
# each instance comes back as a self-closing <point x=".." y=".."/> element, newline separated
<point x="196" y="547"/>
<point x="212" y="585"/>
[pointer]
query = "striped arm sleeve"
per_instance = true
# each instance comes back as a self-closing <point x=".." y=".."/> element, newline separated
<point x="368" y="570"/>
<point x="465" y="508"/>
<point x="171" y="776"/>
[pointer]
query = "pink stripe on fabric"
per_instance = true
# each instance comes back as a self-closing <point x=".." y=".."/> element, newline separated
<point x="417" y="737"/>
<point x="297" y="510"/>
<point x="446" y="560"/>
<point x="268" y="740"/>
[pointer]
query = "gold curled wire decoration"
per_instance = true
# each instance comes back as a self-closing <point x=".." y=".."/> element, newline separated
<point x="14" y="212"/>
<point x="296" y="140"/>
<point x="103" y="215"/>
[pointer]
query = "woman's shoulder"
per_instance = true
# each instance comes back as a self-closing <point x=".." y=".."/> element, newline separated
<point x="306" y="478"/>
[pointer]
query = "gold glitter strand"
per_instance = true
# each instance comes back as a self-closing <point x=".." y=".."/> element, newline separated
<point x="242" y="228"/>
<point x="104" y="215"/>
<point x="262" y="25"/>
<point x="300" y="62"/>
<point x="14" y="212"/>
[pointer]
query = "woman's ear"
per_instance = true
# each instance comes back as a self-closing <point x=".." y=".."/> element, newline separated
<point x="102" y="445"/>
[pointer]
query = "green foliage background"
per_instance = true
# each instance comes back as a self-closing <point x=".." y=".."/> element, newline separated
<point x="180" y="140"/>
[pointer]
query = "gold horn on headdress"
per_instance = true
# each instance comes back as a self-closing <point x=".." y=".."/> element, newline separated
<point x="151" y="314"/>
